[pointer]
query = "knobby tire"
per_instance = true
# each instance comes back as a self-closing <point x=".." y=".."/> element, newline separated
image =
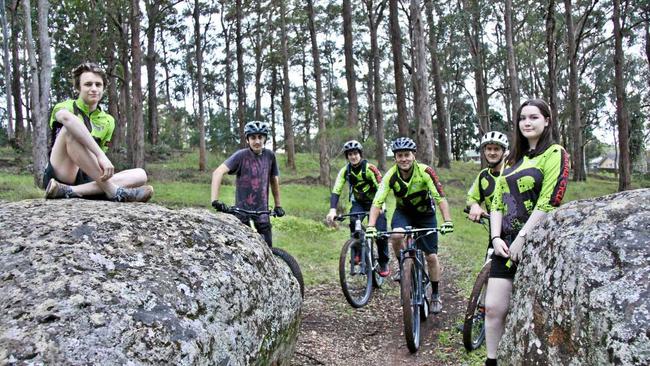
<point x="474" y="324"/>
<point x="359" y="295"/>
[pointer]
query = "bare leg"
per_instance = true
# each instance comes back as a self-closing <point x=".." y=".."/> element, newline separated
<point x="434" y="267"/>
<point x="497" y="301"/>
<point x="397" y="242"/>
<point x="126" y="178"/>
<point x="68" y="156"/>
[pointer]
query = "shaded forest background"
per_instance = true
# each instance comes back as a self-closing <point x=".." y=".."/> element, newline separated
<point x="190" y="74"/>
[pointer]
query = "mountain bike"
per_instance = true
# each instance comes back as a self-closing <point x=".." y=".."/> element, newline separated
<point x="358" y="263"/>
<point x="474" y="322"/>
<point x="287" y="258"/>
<point x="415" y="284"/>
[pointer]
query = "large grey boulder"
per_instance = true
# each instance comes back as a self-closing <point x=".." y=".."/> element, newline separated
<point x="582" y="292"/>
<point x="85" y="282"/>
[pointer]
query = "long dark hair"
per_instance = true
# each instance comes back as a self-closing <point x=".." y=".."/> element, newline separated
<point x="520" y="145"/>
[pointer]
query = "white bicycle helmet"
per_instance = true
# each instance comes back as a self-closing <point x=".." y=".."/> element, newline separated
<point x="403" y="143"/>
<point x="495" y="137"/>
<point x="352" y="145"/>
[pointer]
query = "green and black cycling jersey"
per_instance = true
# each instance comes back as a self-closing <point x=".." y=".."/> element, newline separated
<point x="364" y="180"/>
<point x="99" y="123"/>
<point x="482" y="190"/>
<point x="417" y="195"/>
<point x="533" y="183"/>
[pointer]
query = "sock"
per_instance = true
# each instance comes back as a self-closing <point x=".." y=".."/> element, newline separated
<point x="434" y="287"/>
<point x="490" y="362"/>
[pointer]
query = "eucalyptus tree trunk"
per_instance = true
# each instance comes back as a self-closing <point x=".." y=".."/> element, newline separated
<point x="40" y="81"/>
<point x="15" y="81"/>
<point x="374" y="20"/>
<point x="513" y="77"/>
<point x="259" y="44"/>
<point x="289" y="144"/>
<point x="551" y="57"/>
<point x="199" y="81"/>
<point x="7" y="73"/>
<point x="323" y="156"/>
<point x="241" y="81"/>
<point x="624" y="166"/>
<point x="153" y="11"/>
<point x="444" y="160"/>
<point x="226" y="35"/>
<point x="426" y="140"/>
<point x="474" y="36"/>
<point x="113" y="98"/>
<point x="307" y="97"/>
<point x="579" y="173"/>
<point x="136" y="147"/>
<point x="398" y="61"/>
<point x="163" y="43"/>
<point x="273" y="90"/>
<point x="126" y="122"/>
<point x="350" y="76"/>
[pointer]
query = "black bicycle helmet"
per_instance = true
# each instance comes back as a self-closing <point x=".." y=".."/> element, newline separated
<point x="254" y="127"/>
<point x="352" y="145"/>
<point x="495" y="137"/>
<point x="403" y="143"/>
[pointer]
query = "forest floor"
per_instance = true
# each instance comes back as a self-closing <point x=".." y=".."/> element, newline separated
<point x="334" y="333"/>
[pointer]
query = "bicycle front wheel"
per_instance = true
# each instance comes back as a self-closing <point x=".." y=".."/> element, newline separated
<point x="290" y="261"/>
<point x="410" y="306"/>
<point x="377" y="280"/>
<point x="474" y="325"/>
<point x="355" y="274"/>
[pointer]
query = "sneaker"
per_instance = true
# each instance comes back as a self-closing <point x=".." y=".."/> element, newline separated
<point x="398" y="276"/>
<point x="436" y="304"/>
<point x="384" y="270"/>
<point x="139" y="194"/>
<point x="55" y="190"/>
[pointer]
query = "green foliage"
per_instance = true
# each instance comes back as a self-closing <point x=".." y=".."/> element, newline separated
<point x="463" y="128"/>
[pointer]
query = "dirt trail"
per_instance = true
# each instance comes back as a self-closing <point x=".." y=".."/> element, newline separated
<point x="333" y="333"/>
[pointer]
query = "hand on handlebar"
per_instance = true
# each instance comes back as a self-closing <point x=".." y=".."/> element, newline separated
<point x="330" y="217"/>
<point x="278" y="211"/>
<point x="220" y="206"/>
<point x="371" y="232"/>
<point x="476" y="212"/>
<point x="447" y="228"/>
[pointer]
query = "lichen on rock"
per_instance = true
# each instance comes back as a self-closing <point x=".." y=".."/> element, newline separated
<point x="91" y="282"/>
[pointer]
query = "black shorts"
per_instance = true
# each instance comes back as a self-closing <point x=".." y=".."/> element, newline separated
<point x="81" y="178"/>
<point x="498" y="268"/>
<point x="429" y="243"/>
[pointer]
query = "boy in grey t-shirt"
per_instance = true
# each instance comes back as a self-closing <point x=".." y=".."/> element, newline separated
<point x="255" y="168"/>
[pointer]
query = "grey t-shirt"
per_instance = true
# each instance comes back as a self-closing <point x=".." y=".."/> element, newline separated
<point x="253" y="176"/>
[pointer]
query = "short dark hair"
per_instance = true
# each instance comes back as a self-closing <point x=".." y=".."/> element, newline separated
<point x="520" y="144"/>
<point x="87" y="67"/>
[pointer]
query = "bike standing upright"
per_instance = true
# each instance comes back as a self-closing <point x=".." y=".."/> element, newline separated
<point x="363" y="179"/>
<point x="416" y="187"/>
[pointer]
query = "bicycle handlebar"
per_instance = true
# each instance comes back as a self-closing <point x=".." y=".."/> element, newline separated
<point x="483" y="215"/>
<point x="234" y="209"/>
<point x="343" y="216"/>
<point x="428" y="230"/>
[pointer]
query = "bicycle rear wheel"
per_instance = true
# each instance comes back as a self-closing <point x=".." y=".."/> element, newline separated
<point x="293" y="266"/>
<point x="355" y="278"/>
<point x="410" y="307"/>
<point x="474" y="325"/>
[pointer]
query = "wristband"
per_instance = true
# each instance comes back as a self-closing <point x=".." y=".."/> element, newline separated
<point x="494" y="237"/>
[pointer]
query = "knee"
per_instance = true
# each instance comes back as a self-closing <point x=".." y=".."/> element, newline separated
<point x="141" y="175"/>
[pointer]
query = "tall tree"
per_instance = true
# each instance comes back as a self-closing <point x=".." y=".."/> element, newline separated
<point x="136" y="144"/>
<point x="375" y="16"/>
<point x="226" y="33"/>
<point x="324" y="176"/>
<point x="551" y="61"/>
<point x="15" y="82"/>
<point x="579" y="173"/>
<point x="289" y="144"/>
<point x="474" y="35"/>
<point x="40" y="85"/>
<point x="7" y="67"/>
<point x="350" y="76"/>
<point x="398" y="62"/>
<point x="241" y="80"/>
<point x="421" y="80"/>
<point x="441" y="110"/>
<point x="624" y="166"/>
<point x="198" y="47"/>
<point x="513" y="77"/>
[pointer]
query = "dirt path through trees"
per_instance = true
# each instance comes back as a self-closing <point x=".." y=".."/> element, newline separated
<point x="333" y="333"/>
